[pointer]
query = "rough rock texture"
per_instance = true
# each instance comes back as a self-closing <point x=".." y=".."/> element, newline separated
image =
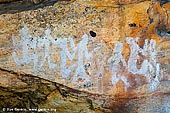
<point x="85" y="56"/>
<point x="26" y="93"/>
<point x="32" y="1"/>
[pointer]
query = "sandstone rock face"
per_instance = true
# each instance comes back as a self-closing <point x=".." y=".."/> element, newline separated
<point x="102" y="56"/>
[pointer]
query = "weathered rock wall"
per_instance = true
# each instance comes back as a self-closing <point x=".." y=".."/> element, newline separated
<point x="118" y="49"/>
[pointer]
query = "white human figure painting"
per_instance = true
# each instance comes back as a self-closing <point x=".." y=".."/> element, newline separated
<point x="115" y="65"/>
<point x="83" y="53"/>
<point x="27" y="43"/>
<point x="64" y="54"/>
<point x="116" y="78"/>
<point x="149" y="67"/>
<point x="46" y="43"/>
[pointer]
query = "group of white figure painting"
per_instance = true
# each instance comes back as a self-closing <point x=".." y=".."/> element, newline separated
<point x="149" y="67"/>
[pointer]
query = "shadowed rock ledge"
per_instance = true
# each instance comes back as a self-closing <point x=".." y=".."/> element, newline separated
<point x="15" y="6"/>
<point x="21" y="92"/>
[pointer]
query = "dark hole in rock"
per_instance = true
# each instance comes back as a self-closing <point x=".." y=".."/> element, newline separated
<point x="168" y="32"/>
<point x="163" y="1"/>
<point x="151" y="20"/>
<point x="92" y="33"/>
<point x="132" y="25"/>
<point x="87" y="66"/>
<point x="87" y="8"/>
<point x="160" y="32"/>
<point x="74" y="37"/>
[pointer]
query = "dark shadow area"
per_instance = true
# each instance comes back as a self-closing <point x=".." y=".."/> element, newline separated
<point x="19" y="6"/>
<point x="163" y="1"/>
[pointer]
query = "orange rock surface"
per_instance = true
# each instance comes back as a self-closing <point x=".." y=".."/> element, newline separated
<point x="111" y="22"/>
